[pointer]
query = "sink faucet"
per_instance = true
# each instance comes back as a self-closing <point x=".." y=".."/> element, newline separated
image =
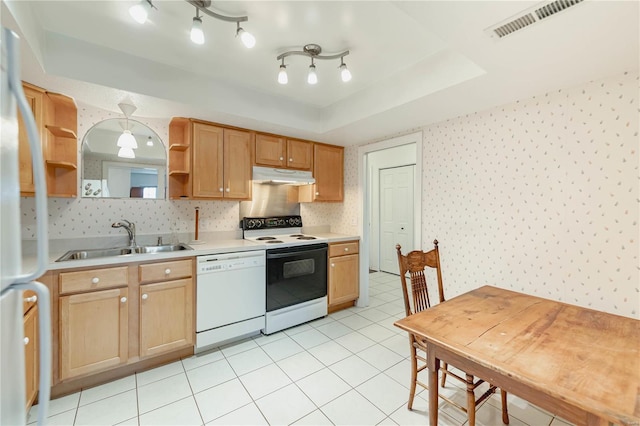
<point x="131" y="230"/>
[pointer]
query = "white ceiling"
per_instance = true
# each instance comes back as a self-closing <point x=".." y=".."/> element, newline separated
<point x="413" y="63"/>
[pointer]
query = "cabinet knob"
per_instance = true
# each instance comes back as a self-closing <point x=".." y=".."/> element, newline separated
<point x="26" y="341"/>
<point x="346" y="249"/>
<point x="95" y="280"/>
<point x="281" y="158"/>
<point x="333" y="265"/>
<point x="31" y="299"/>
<point x="123" y="300"/>
<point x="291" y="160"/>
<point x="317" y="193"/>
<point x="145" y="296"/>
<point x="167" y="271"/>
<point x="221" y="189"/>
<point x="228" y="189"/>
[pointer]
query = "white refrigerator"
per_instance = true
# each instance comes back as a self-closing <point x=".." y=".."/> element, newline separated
<point x="13" y="279"/>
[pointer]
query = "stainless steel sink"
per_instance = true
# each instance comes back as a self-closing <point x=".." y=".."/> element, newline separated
<point x="121" y="251"/>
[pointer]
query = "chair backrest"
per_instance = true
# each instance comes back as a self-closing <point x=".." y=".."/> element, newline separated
<point x="415" y="263"/>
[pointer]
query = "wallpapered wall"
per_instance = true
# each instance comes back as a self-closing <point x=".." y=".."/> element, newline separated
<point x="541" y="196"/>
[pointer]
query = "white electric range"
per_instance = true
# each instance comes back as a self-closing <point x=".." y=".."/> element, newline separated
<point x="296" y="273"/>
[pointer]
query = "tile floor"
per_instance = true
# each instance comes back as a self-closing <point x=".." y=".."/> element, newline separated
<point x="349" y="368"/>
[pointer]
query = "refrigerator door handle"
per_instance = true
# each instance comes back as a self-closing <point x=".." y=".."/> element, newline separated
<point x="15" y="85"/>
<point x="44" y="331"/>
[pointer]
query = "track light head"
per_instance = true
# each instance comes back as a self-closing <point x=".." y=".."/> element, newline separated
<point x="282" y="75"/>
<point x="197" y="35"/>
<point x="345" y="74"/>
<point x="312" y="77"/>
<point x="140" y="11"/>
<point x="247" y="38"/>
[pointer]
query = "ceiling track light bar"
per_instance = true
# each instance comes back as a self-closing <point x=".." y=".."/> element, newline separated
<point x="311" y="55"/>
<point x="312" y="51"/>
<point x="203" y="6"/>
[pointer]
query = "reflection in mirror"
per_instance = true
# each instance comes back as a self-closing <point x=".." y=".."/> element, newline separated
<point x="105" y="174"/>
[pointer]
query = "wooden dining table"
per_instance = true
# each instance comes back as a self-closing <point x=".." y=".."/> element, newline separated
<point x="580" y="364"/>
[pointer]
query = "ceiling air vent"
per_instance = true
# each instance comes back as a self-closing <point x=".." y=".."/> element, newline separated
<point x="529" y="16"/>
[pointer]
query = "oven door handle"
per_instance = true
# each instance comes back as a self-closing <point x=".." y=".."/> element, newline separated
<point x="294" y="253"/>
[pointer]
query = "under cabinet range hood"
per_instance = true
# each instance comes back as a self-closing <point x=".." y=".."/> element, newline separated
<point x="268" y="175"/>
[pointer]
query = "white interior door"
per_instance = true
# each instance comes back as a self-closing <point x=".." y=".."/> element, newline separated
<point x="396" y="215"/>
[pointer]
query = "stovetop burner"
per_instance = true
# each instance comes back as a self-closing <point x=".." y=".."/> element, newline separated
<point x="265" y="238"/>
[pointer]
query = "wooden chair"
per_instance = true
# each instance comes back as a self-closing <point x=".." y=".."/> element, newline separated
<point x="415" y="263"/>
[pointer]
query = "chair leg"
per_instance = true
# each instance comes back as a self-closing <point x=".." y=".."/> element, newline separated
<point x="471" y="401"/>
<point x="414" y="376"/>
<point x="505" y="413"/>
<point x="443" y="379"/>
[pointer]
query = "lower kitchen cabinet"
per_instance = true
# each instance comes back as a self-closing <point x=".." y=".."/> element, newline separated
<point x="166" y="316"/>
<point x="93" y="331"/>
<point x="343" y="285"/>
<point x="31" y="358"/>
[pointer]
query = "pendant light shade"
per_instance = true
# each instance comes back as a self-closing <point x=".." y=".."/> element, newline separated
<point x="126" y="153"/>
<point x="140" y="11"/>
<point x="197" y="35"/>
<point x="247" y="38"/>
<point x="345" y="74"/>
<point x="282" y="75"/>
<point x="312" y="77"/>
<point x="127" y="140"/>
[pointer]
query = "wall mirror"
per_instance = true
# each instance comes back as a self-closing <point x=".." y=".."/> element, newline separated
<point x="110" y="172"/>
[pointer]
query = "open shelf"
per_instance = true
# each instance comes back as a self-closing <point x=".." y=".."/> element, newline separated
<point x="178" y="147"/>
<point x="61" y="132"/>
<point x="61" y="164"/>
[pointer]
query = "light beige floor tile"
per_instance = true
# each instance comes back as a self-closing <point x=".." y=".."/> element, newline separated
<point x="250" y="360"/>
<point x="380" y="357"/>
<point x="376" y="332"/>
<point x="355" y="322"/>
<point x="316" y="418"/>
<point x="222" y="399"/>
<point x="109" y="411"/>
<point x="334" y="330"/>
<point x="247" y="415"/>
<point x="159" y="373"/>
<point x="297" y="329"/>
<point x="264" y="380"/>
<point x="285" y="405"/>
<point x="163" y="392"/>
<point x="399" y="344"/>
<point x="354" y="370"/>
<point x="341" y="314"/>
<point x="374" y="315"/>
<point x="300" y="365"/>
<point x="387" y="422"/>
<point x="401" y="373"/>
<point x="310" y="338"/>
<point x="87" y="396"/>
<point x="129" y="422"/>
<point x="263" y="339"/>
<point x="488" y="415"/>
<point x="210" y="375"/>
<point x="183" y="412"/>
<point x="329" y="353"/>
<point x="352" y="409"/>
<point x="238" y="347"/>
<point x="384" y="392"/>
<point x="201" y="359"/>
<point x="62" y="419"/>
<point x="420" y="415"/>
<point x="322" y="321"/>
<point x="557" y="421"/>
<point x="282" y="348"/>
<point x="323" y="386"/>
<point x="392" y="308"/>
<point x="521" y="409"/>
<point x="56" y="406"/>
<point x="355" y="342"/>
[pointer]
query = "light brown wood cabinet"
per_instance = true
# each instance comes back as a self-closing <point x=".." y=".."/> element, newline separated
<point x="343" y="285"/>
<point x="56" y="118"/>
<point x="276" y="151"/>
<point x="208" y="161"/>
<point x="328" y="170"/>
<point x="31" y="351"/>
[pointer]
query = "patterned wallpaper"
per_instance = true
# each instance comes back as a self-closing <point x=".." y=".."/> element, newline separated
<point x="540" y="196"/>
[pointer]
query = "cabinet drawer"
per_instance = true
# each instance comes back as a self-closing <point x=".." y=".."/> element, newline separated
<point x="341" y="249"/>
<point x="96" y="279"/>
<point x="165" y="271"/>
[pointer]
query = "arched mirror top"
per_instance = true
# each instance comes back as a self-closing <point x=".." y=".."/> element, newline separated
<point x="108" y="175"/>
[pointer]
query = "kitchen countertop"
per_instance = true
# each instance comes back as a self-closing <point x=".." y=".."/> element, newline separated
<point x="208" y="247"/>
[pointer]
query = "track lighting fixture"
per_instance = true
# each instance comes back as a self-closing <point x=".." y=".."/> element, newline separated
<point x="313" y="51"/>
<point x="197" y="35"/>
<point x="140" y="12"/>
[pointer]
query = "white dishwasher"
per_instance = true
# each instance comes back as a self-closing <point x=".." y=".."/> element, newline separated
<point x="230" y="297"/>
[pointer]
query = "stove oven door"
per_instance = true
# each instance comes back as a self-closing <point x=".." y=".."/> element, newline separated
<point x="295" y="275"/>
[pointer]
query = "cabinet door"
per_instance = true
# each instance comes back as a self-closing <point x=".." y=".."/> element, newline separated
<point x="31" y="354"/>
<point x="93" y="331"/>
<point x="299" y="155"/>
<point x="208" y="154"/>
<point x="166" y="316"/>
<point x="343" y="279"/>
<point x="35" y="101"/>
<point x="270" y="151"/>
<point x="328" y="170"/>
<point x="237" y="164"/>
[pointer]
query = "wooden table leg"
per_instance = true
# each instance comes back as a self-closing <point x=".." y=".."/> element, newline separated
<point x="433" y="365"/>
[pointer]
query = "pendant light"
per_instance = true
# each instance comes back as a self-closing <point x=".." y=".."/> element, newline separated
<point x="126" y="153"/>
<point x="345" y="74"/>
<point x="197" y="35"/>
<point x="126" y="141"/>
<point x="282" y="75"/>
<point x="247" y="38"/>
<point x="312" y="77"/>
<point x="140" y="11"/>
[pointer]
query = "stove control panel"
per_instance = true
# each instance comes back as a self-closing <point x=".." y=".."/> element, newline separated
<point x="271" y="222"/>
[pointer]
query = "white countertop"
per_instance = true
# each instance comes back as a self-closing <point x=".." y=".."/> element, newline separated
<point x="205" y="248"/>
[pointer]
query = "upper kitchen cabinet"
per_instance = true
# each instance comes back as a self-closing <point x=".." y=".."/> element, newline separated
<point x="56" y="119"/>
<point x="328" y="170"/>
<point x="276" y="151"/>
<point x="208" y="161"/>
